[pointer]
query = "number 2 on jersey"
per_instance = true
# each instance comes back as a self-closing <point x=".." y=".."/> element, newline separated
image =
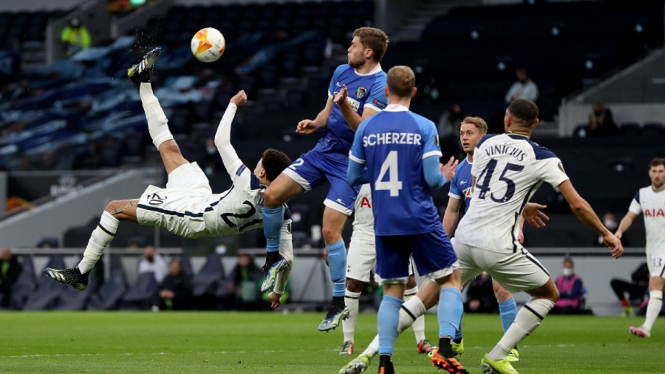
<point x="485" y="177"/>
<point x="394" y="185"/>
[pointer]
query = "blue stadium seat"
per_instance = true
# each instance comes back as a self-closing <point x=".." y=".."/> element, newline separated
<point x="139" y="296"/>
<point x="25" y="284"/>
<point x="205" y="282"/>
<point x="652" y="129"/>
<point x="630" y="129"/>
<point x="72" y="299"/>
<point x="110" y="294"/>
<point x="48" y="290"/>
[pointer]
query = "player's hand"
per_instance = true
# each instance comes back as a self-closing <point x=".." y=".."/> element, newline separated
<point x="306" y="126"/>
<point x="520" y="237"/>
<point x="448" y="170"/>
<point x="275" y="300"/>
<point x="341" y="95"/>
<point x="239" y="99"/>
<point x="614" y="244"/>
<point x="618" y="234"/>
<point x="325" y="255"/>
<point x="534" y="216"/>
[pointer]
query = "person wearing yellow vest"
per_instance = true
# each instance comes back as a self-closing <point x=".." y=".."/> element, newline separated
<point x="75" y="37"/>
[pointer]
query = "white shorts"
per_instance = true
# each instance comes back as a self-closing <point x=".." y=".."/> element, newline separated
<point x="516" y="272"/>
<point x="180" y="206"/>
<point x="361" y="260"/>
<point x="656" y="264"/>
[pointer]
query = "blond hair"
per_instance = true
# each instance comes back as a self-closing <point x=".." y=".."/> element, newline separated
<point x="400" y="81"/>
<point x="480" y="123"/>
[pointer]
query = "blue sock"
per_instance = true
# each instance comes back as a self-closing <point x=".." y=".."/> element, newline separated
<point x="337" y="262"/>
<point x="450" y="311"/>
<point x="458" y="333"/>
<point x="388" y="320"/>
<point x="273" y="219"/>
<point x="508" y="310"/>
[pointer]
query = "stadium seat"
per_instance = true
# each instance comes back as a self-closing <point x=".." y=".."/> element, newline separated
<point x="210" y="274"/>
<point x="110" y="294"/>
<point x="630" y="129"/>
<point x="48" y="291"/>
<point x="72" y="299"/>
<point x="652" y="129"/>
<point x="25" y="283"/>
<point x="139" y="296"/>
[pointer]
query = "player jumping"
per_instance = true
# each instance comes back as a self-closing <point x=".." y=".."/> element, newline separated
<point x="187" y="206"/>
<point x="651" y="201"/>
<point x="362" y="83"/>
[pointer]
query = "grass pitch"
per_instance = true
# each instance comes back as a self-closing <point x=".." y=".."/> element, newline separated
<point x="215" y="342"/>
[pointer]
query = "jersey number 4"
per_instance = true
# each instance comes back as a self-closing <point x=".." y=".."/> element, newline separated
<point x="393" y="184"/>
<point x="483" y="183"/>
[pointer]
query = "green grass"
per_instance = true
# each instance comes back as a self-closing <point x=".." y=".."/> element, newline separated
<point x="112" y="342"/>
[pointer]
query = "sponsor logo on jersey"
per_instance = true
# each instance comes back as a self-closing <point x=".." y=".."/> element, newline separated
<point x="379" y="104"/>
<point x="654" y="212"/>
<point x="355" y="104"/>
<point x="365" y="203"/>
<point x="337" y="84"/>
<point x="361" y="92"/>
<point x="241" y="169"/>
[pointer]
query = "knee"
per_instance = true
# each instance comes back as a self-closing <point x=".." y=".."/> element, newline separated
<point x="354" y="285"/>
<point x="331" y="234"/>
<point x="502" y="295"/>
<point x="271" y="198"/>
<point x="554" y="296"/>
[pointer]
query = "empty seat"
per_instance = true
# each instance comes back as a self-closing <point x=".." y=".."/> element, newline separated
<point x="110" y="293"/>
<point x="206" y="280"/>
<point x="25" y="283"/>
<point x="48" y="290"/>
<point x="139" y="296"/>
<point x="72" y="299"/>
<point x="630" y="129"/>
<point x="652" y="129"/>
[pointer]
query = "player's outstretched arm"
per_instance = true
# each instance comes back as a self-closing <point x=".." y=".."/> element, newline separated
<point x="308" y="126"/>
<point x="223" y="135"/>
<point x="356" y="173"/>
<point x="625" y="224"/>
<point x="451" y="216"/>
<point x="585" y="213"/>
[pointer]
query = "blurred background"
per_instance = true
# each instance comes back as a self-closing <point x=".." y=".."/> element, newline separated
<point x="73" y="134"/>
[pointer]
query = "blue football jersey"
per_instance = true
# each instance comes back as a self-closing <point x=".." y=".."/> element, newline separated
<point x="393" y="144"/>
<point x="365" y="91"/>
<point x="460" y="185"/>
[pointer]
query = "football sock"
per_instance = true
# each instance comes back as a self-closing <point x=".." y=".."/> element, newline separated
<point x="349" y="324"/>
<point x="653" y="309"/>
<point x="388" y="322"/>
<point x="272" y="257"/>
<point x="625" y="303"/>
<point x="446" y="346"/>
<point x="411" y="310"/>
<point x="419" y="323"/>
<point x="100" y="238"/>
<point x="526" y="321"/>
<point x="337" y="265"/>
<point x="157" y="123"/>
<point x="458" y="334"/>
<point x="450" y="311"/>
<point x="508" y="311"/>
<point x="273" y="219"/>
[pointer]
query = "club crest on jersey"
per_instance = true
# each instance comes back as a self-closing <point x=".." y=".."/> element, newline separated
<point x="361" y="92"/>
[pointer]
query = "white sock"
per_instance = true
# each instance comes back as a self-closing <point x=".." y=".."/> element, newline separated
<point x="527" y="320"/>
<point x="415" y="308"/>
<point x="349" y="324"/>
<point x="653" y="309"/>
<point x="100" y="238"/>
<point x="157" y="123"/>
<point x="419" y="324"/>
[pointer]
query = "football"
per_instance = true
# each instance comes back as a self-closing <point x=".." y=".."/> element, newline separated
<point x="208" y="44"/>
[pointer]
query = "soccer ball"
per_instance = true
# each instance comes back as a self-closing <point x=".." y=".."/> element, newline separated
<point x="208" y="44"/>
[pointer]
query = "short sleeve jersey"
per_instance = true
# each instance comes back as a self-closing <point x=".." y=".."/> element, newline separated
<point x="508" y="168"/>
<point x="364" y="91"/>
<point x="393" y="144"/>
<point x="652" y="204"/>
<point x="363" y="221"/>
<point x="460" y="185"/>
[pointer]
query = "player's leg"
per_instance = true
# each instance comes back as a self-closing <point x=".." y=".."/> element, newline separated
<point x="532" y="278"/>
<point x="507" y="312"/>
<point x="354" y="289"/>
<point x="621" y="288"/>
<point x="101" y="237"/>
<point x="656" y="288"/>
<point x="422" y="344"/>
<point x="361" y="259"/>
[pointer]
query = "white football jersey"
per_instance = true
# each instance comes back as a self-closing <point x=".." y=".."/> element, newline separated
<point x="508" y="168"/>
<point x="363" y="223"/>
<point x="652" y="204"/>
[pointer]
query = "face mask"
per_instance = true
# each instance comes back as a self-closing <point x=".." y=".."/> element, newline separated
<point x="610" y="224"/>
<point x="567" y="272"/>
<point x="211" y="150"/>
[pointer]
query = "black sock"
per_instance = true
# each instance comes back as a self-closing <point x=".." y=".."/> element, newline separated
<point x="385" y="360"/>
<point x="457" y="340"/>
<point x="272" y="257"/>
<point x="445" y="346"/>
<point x="338" y="301"/>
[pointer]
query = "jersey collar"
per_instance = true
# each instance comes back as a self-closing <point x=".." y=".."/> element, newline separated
<point x="374" y="71"/>
<point x="395" y="108"/>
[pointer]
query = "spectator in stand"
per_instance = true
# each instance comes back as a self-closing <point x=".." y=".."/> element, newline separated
<point x="571" y="291"/>
<point x="10" y="269"/>
<point x="450" y="121"/>
<point x="175" y="291"/>
<point x="153" y="262"/>
<point x="246" y="278"/>
<point x="610" y="221"/>
<point x="75" y="37"/>
<point x="601" y="121"/>
<point x="524" y="88"/>
<point x="480" y="296"/>
<point x="635" y="289"/>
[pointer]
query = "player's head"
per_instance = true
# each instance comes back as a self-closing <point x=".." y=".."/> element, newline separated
<point x="522" y="114"/>
<point x="522" y="74"/>
<point x="400" y="83"/>
<point x="657" y="172"/>
<point x="470" y="133"/>
<point x="368" y="44"/>
<point x="271" y="164"/>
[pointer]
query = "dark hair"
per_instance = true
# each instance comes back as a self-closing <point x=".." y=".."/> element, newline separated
<point x="657" y="162"/>
<point x="524" y="111"/>
<point x="274" y="162"/>
<point x="400" y="81"/>
<point x="374" y="39"/>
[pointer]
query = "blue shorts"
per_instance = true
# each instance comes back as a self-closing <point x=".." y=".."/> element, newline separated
<point x="432" y="253"/>
<point x="314" y="168"/>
